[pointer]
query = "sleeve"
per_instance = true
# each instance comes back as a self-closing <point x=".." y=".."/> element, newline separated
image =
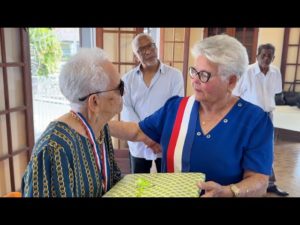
<point x="153" y="125"/>
<point x="258" y="157"/>
<point x="278" y="85"/>
<point x="128" y="113"/>
<point x="178" y="84"/>
<point x="49" y="174"/>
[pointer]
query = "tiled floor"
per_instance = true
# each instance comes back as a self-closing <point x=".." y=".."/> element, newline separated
<point x="287" y="167"/>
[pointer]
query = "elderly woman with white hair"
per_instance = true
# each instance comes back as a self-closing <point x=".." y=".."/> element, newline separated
<point x="212" y="131"/>
<point x="74" y="156"/>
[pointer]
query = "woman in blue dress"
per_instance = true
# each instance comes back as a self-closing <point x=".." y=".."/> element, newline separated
<point x="225" y="137"/>
<point x="74" y="156"/>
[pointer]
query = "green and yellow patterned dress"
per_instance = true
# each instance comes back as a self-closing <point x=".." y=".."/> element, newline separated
<point x="63" y="165"/>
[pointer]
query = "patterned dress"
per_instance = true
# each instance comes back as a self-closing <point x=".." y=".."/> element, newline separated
<point x="63" y="165"/>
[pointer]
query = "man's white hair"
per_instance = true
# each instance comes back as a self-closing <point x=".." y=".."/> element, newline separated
<point x="135" y="40"/>
<point x="83" y="74"/>
<point x="227" y="52"/>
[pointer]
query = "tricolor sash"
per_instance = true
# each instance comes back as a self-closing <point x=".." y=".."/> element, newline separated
<point x="182" y="137"/>
<point x="105" y="164"/>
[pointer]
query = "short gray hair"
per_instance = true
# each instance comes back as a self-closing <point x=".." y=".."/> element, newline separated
<point x="136" y="38"/>
<point x="227" y="52"/>
<point x="83" y="74"/>
<point x="266" y="46"/>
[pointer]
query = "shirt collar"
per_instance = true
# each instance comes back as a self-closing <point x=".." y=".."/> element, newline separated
<point x="257" y="69"/>
<point x="162" y="68"/>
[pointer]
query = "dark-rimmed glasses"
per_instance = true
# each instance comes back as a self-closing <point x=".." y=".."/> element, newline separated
<point x="142" y="50"/>
<point x="203" y="76"/>
<point x="120" y="88"/>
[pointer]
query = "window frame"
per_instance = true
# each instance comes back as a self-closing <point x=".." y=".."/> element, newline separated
<point x="27" y="108"/>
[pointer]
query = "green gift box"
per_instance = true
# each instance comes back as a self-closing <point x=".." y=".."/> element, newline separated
<point x="157" y="185"/>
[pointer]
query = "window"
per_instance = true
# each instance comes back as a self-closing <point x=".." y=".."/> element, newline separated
<point x="52" y="48"/>
<point x="117" y="43"/>
<point x="16" y="130"/>
<point x="174" y="50"/>
<point x="290" y="62"/>
<point x="247" y="36"/>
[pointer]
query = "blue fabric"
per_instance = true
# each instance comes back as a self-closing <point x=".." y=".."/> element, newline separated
<point x="243" y="140"/>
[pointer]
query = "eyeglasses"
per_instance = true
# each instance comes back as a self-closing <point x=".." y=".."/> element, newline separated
<point x="142" y="50"/>
<point x="203" y="76"/>
<point x="120" y="88"/>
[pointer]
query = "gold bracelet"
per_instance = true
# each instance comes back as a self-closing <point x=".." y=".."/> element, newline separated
<point x="235" y="190"/>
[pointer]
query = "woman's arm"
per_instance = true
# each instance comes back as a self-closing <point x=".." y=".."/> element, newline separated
<point x="252" y="185"/>
<point x="131" y="131"/>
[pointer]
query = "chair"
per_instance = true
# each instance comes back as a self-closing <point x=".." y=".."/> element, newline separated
<point x="14" y="194"/>
<point x="123" y="161"/>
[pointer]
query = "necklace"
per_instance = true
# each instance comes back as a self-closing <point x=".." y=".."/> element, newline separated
<point x="215" y="118"/>
<point x="208" y="121"/>
<point x="100" y="138"/>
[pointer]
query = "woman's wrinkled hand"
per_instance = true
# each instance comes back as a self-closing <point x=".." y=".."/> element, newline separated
<point x="155" y="147"/>
<point x="211" y="189"/>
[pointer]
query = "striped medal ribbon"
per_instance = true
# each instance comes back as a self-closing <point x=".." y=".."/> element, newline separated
<point x="102" y="161"/>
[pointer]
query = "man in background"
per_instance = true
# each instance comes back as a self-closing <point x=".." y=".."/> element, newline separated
<point x="259" y="85"/>
<point x="147" y="87"/>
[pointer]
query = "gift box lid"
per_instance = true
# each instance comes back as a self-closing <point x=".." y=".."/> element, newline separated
<point x="157" y="185"/>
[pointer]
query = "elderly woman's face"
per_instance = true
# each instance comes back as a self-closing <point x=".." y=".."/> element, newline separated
<point x="214" y="88"/>
<point x="112" y="100"/>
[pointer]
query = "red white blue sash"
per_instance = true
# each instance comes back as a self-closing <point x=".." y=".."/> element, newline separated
<point x="102" y="161"/>
<point x="182" y="137"/>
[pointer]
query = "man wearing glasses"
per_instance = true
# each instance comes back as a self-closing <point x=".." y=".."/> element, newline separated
<point x="147" y="87"/>
<point x="259" y="85"/>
